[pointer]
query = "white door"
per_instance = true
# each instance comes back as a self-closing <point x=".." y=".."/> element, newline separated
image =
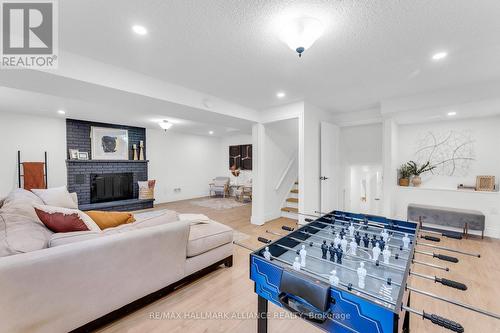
<point x="329" y="167"/>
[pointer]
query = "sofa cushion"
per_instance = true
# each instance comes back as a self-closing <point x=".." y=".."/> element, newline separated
<point x="60" y="219"/>
<point x="205" y="236"/>
<point x="107" y="220"/>
<point x="21" y="234"/>
<point x="21" y="202"/>
<point x="63" y="238"/>
<point x="56" y="196"/>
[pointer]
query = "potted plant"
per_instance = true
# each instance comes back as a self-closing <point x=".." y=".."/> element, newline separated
<point x="404" y="175"/>
<point x="417" y="170"/>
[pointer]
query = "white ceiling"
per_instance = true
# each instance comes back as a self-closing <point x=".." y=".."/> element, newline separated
<point x="371" y="50"/>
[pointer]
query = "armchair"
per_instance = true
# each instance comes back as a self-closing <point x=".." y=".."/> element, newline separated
<point x="220" y="186"/>
<point x="243" y="191"/>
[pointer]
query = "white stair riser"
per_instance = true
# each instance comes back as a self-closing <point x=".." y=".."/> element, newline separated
<point x="293" y="195"/>
<point x="292" y="204"/>
<point x="289" y="215"/>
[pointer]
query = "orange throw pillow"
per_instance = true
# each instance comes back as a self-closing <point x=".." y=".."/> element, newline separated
<point x="110" y="219"/>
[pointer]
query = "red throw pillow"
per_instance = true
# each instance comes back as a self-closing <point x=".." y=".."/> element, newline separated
<point x="59" y="222"/>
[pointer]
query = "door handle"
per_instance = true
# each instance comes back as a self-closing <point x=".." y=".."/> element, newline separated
<point x="323" y="178"/>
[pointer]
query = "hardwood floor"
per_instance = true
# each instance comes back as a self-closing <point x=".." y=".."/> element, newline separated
<point x="229" y="291"/>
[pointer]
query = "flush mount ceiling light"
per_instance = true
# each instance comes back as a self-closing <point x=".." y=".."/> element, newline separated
<point x="61" y="112"/>
<point x="301" y="32"/>
<point x="165" y="125"/>
<point x="280" y="94"/>
<point x="139" y="29"/>
<point x="451" y="113"/>
<point x="211" y="132"/>
<point x="439" y="56"/>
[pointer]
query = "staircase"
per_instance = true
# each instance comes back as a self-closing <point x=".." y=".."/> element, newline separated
<point x="292" y="203"/>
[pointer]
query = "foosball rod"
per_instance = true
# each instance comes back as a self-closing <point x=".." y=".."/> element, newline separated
<point x="436" y="320"/>
<point x="443" y="281"/>
<point x="450" y="250"/>
<point x="372" y="223"/>
<point x="423" y="263"/>
<point x="439" y="256"/>
<point x="392" y="266"/>
<point x="451" y="301"/>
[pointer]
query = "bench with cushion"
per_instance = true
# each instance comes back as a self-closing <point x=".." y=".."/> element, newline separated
<point x="464" y="219"/>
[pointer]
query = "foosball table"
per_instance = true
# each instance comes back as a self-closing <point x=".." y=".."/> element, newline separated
<point x="347" y="272"/>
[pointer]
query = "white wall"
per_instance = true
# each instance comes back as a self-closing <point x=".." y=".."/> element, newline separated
<point x="440" y="190"/>
<point x="233" y="140"/>
<point x="275" y="145"/>
<point x="184" y="161"/>
<point x="32" y="136"/>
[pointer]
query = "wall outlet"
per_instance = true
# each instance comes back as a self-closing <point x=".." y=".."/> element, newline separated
<point x="177" y="189"/>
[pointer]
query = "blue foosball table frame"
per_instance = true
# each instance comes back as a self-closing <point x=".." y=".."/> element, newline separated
<point x="344" y="308"/>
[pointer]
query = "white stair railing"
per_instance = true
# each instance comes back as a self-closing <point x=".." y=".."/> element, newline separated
<point x="286" y="171"/>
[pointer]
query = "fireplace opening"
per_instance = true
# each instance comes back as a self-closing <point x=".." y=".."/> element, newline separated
<point x="111" y="187"/>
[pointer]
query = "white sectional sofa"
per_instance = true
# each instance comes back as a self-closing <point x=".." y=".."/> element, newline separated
<point x="62" y="282"/>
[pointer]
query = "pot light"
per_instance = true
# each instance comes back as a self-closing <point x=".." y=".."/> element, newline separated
<point x="300" y="33"/>
<point x="139" y="29"/>
<point x="439" y="56"/>
<point x="165" y="125"/>
<point x="280" y="94"/>
<point x="62" y="112"/>
<point x="451" y="113"/>
<point x="211" y="132"/>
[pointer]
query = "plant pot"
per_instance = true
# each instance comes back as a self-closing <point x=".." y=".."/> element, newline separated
<point x="416" y="181"/>
<point x="404" y="182"/>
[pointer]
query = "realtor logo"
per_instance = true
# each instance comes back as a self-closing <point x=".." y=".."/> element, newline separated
<point x="29" y="34"/>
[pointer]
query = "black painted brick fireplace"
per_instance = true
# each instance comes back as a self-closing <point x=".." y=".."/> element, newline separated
<point x="80" y="171"/>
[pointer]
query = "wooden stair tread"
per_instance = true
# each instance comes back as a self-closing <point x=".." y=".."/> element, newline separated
<point x="290" y="209"/>
<point x="294" y="191"/>
<point x="292" y="200"/>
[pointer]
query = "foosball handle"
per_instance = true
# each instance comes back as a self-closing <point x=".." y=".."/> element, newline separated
<point x="445" y="258"/>
<point x="308" y="220"/>
<point x="431" y="238"/>
<point x="263" y="240"/>
<point x="443" y="322"/>
<point x="287" y="228"/>
<point x="451" y="283"/>
<point x="449" y="235"/>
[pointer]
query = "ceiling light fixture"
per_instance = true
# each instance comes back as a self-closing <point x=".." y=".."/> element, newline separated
<point x="165" y="125"/>
<point x="280" y="94"/>
<point x="439" y="56"/>
<point x="211" y="132"/>
<point x="300" y="33"/>
<point x="452" y="113"/>
<point x="61" y="112"/>
<point x="139" y="29"/>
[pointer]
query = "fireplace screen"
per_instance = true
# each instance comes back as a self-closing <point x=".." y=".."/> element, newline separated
<point x="111" y="187"/>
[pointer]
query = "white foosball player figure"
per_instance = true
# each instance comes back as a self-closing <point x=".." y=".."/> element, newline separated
<point x="353" y="246"/>
<point x="336" y="241"/>
<point x="351" y="230"/>
<point x="376" y="251"/>
<point x="361" y="275"/>
<point x="334" y="279"/>
<point x="296" y="264"/>
<point x="406" y="242"/>
<point x="387" y="254"/>
<point x="303" y="254"/>
<point x="343" y="244"/>
<point x="385" y="235"/>
<point x="267" y="254"/>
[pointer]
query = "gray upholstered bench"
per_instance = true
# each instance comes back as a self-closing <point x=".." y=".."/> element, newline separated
<point x="449" y="217"/>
